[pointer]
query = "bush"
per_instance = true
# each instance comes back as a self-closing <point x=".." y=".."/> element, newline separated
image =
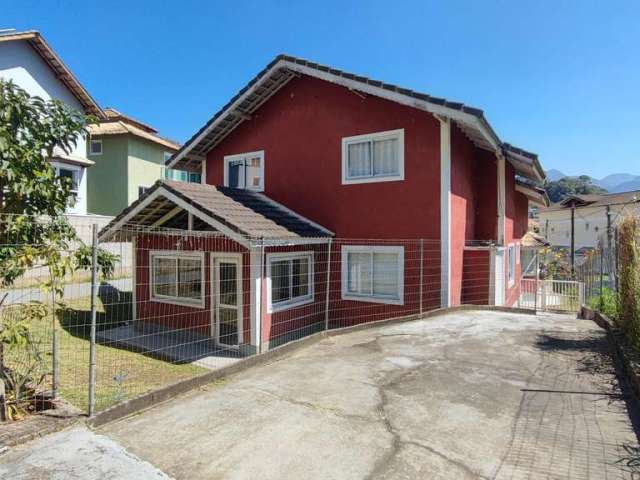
<point x="629" y="277"/>
<point x="607" y="303"/>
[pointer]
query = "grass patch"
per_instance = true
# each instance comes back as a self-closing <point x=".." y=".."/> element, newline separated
<point x="121" y="374"/>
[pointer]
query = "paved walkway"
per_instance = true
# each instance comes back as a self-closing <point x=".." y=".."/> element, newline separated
<point x="464" y="396"/>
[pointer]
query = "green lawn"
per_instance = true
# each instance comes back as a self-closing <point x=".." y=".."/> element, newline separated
<point x="121" y="374"/>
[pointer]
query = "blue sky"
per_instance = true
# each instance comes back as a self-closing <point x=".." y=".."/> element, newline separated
<point x="558" y="78"/>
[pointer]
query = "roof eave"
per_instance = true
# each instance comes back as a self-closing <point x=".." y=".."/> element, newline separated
<point x="466" y="117"/>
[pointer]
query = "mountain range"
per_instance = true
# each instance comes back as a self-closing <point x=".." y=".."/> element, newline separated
<point x="614" y="183"/>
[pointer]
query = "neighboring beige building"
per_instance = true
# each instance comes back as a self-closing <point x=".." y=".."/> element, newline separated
<point x="590" y="217"/>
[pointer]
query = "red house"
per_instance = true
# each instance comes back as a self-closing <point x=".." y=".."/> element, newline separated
<point x="329" y="199"/>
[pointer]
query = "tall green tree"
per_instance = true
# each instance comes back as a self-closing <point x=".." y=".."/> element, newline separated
<point x="33" y="228"/>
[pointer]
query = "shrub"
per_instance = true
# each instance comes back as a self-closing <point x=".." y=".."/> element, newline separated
<point x="629" y="277"/>
<point x="607" y="303"/>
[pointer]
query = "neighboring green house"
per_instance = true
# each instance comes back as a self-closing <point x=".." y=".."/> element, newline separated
<point x="129" y="157"/>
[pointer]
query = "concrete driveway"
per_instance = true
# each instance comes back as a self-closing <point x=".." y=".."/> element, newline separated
<point x="465" y="395"/>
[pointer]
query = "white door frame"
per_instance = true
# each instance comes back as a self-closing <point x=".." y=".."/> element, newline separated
<point x="236" y="258"/>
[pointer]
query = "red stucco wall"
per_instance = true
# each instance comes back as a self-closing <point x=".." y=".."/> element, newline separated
<point x="300" y="130"/>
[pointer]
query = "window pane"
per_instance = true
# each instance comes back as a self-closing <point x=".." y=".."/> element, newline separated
<point x="96" y="147"/>
<point x="385" y="274"/>
<point x="72" y="176"/>
<point x="189" y="278"/>
<point x="164" y="276"/>
<point x="359" y="159"/>
<point x="385" y="157"/>
<point x="300" y="277"/>
<point x="252" y="171"/>
<point x="228" y="284"/>
<point x="236" y="174"/>
<point x="359" y="273"/>
<point x="280" y="280"/>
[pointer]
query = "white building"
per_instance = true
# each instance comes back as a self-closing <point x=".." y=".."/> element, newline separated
<point x="590" y="217"/>
<point x="27" y="60"/>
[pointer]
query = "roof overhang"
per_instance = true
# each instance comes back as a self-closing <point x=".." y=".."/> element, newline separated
<point x="72" y="159"/>
<point x="526" y="164"/>
<point x="162" y="204"/>
<point x="61" y="71"/>
<point x="535" y="195"/>
<point x="279" y="72"/>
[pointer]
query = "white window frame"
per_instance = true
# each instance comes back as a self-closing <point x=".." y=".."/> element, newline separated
<point x="91" y="142"/>
<point x="237" y="156"/>
<point x="346" y="141"/>
<point x="73" y="168"/>
<point x="346" y="295"/>
<point x="177" y="255"/>
<point x="297" y="301"/>
<point x="511" y="272"/>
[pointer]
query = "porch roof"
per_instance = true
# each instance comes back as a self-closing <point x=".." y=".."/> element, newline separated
<point x="242" y="215"/>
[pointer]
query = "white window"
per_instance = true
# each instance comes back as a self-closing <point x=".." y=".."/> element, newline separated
<point x="176" y="277"/>
<point x="512" y="265"/>
<point x="167" y="156"/>
<point x="373" y="274"/>
<point x="290" y="279"/>
<point x="245" y="170"/>
<point x="95" y="147"/>
<point x="142" y="190"/>
<point x="72" y="174"/>
<point x="376" y="157"/>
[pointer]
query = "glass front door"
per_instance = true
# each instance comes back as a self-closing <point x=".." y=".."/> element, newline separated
<point x="228" y="301"/>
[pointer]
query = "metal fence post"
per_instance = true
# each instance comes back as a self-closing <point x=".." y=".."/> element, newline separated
<point x="92" y="342"/>
<point x="260" y="296"/>
<point x="55" y="347"/>
<point x="326" y="299"/>
<point x="601" y="275"/>
<point x="535" y="293"/>
<point x="421" y="271"/>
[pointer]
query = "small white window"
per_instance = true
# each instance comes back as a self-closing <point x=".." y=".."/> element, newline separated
<point x="142" y="190"/>
<point x="167" y="156"/>
<point x="512" y="265"/>
<point x="290" y="280"/>
<point x="95" y="147"/>
<point x="72" y="174"/>
<point x="375" y="157"/>
<point x="245" y="170"/>
<point x="373" y="274"/>
<point x="176" y="277"/>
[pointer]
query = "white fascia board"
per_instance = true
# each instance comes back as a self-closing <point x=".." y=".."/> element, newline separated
<point x="453" y="114"/>
<point x="162" y="192"/>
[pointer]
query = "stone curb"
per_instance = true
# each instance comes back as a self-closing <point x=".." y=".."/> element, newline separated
<point x="163" y="394"/>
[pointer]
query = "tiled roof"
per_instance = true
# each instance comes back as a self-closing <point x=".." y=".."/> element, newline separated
<point x="121" y="127"/>
<point x="284" y="67"/>
<point x="61" y="71"/>
<point x="250" y="214"/>
<point x="592" y="200"/>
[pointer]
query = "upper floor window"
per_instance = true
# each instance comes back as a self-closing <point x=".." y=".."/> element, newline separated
<point x="95" y="147"/>
<point x="167" y="156"/>
<point x="245" y="170"/>
<point x="375" y="157"/>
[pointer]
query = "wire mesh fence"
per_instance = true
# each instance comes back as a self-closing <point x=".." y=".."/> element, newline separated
<point x="176" y="304"/>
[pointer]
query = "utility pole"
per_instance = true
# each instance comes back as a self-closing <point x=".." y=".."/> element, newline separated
<point x="573" y="241"/>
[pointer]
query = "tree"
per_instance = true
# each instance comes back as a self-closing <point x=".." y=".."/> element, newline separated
<point x="581" y="185"/>
<point x="33" y="200"/>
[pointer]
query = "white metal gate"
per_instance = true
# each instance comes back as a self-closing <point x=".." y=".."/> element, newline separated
<point x="557" y="295"/>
